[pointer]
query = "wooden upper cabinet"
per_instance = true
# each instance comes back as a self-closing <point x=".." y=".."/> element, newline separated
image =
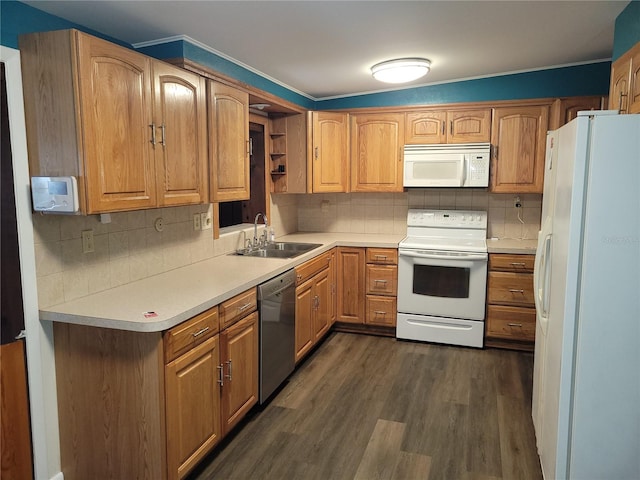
<point x="624" y="89"/>
<point x="619" y="87"/>
<point x="181" y="136"/>
<point x="518" y="137"/>
<point x="426" y="127"/>
<point x="329" y="152"/>
<point x="228" y="110"/>
<point x="131" y="129"/>
<point x="564" y="110"/>
<point x="116" y="113"/>
<point x="377" y="141"/>
<point x="455" y="126"/>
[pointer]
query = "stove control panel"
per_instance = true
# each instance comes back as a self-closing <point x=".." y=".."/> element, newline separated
<point x="447" y="218"/>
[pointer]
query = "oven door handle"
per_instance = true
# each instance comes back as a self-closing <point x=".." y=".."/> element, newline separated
<point x="442" y="255"/>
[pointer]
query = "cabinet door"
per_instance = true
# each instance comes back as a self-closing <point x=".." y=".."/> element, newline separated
<point x="329" y="152"/>
<point x="192" y="407"/>
<point x="239" y="354"/>
<point x="518" y="137"/>
<point x="304" y="318"/>
<point x="334" y="286"/>
<point x="351" y="285"/>
<point x="228" y="110"/>
<point x="425" y="127"/>
<point x="377" y="142"/>
<point x="634" y="85"/>
<point x="322" y="295"/>
<point x="619" y="87"/>
<point x="469" y="126"/>
<point x="116" y="113"/>
<point x="181" y="138"/>
<point x="566" y="109"/>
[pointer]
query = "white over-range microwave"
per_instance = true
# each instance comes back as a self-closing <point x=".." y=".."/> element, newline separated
<point x="447" y="165"/>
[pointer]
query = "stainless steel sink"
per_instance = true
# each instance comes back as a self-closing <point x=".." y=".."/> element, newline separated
<point x="280" y="250"/>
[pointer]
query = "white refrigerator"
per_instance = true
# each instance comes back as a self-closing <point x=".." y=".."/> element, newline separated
<point x="586" y="386"/>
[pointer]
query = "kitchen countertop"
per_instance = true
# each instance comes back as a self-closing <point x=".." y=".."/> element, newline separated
<point x="508" y="245"/>
<point x="177" y="295"/>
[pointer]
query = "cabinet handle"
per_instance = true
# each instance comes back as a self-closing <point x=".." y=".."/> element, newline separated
<point x="379" y="281"/>
<point x="316" y="152"/>
<point x="221" y="375"/>
<point x="244" y="307"/>
<point x="228" y="362"/>
<point x="153" y="133"/>
<point x="444" y="126"/>
<point x="620" y="109"/>
<point x="162" y="128"/>
<point x="451" y="127"/>
<point x="379" y="312"/>
<point x="495" y="151"/>
<point x="514" y="290"/>
<point x="514" y="324"/>
<point x="248" y="148"/>
<point x="200" y="332"/>
<point x="517" y="264"/>
<point x="298" y="277"/>
<point x="383" y="257"/>
<point x="400" y="153"/>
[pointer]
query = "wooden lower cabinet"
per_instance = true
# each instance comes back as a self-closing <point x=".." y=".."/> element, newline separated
<point x="239" y="362"/>
<point x="351" y="284"/>
<point x="367" y="286"/>
<point x="511" y="313"/>
<point x="314" y="303"/>
<point x="192" y="406"/>
<point x="152" y="405"/>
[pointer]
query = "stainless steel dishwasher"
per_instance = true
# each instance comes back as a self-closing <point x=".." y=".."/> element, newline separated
<point x="277" y="306"/>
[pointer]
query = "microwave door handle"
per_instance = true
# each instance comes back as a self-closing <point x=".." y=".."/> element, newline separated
<point x="463" y="174"/>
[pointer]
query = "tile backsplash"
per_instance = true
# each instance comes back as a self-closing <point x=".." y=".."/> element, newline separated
<point x="129" y="248"/>
<point x="387" y="213"/>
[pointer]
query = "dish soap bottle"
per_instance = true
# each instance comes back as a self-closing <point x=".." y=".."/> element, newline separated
<point x="272" y="235"/>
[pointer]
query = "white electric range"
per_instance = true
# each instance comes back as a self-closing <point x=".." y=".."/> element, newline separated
<point x="442" y="277"/>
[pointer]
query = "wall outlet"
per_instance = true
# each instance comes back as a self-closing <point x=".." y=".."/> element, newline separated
<point x="87" y="241"/>
<point x="517" y="202"/>
<point x="196" y="221"/>
<point x="206" y="220"/>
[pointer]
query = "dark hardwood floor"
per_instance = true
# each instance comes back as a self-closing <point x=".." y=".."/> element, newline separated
<point x="365" y="407"/>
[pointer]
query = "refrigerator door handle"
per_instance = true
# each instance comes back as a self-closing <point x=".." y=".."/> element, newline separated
<point x="541" y="278"/>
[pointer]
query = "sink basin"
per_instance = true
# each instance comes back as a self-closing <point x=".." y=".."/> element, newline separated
<point x="280" y="250"/>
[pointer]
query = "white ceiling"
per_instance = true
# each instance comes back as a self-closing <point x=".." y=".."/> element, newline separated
<point x="325" y="48"/>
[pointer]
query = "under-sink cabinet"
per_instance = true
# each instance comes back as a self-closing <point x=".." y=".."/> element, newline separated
<point x="511" y="313"/>
<point x="131" y="129"/>
<point x="152" y="405"/>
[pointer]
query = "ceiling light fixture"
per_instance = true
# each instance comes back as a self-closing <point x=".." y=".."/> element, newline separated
<point x="401" y="70"/>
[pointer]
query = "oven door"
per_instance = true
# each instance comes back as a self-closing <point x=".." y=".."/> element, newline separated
<point x="443" y="284"/>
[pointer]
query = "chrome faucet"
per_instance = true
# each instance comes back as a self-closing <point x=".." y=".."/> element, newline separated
<point x="255" y="229"/>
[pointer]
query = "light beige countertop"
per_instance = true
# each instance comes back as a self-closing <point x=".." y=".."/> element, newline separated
<point x="508" y="245"/>
<point x="177" y="295"/>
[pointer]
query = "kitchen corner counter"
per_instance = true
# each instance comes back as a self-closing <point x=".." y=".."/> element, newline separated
<point x="515" y="246"/>
<point x="160" y="302"/>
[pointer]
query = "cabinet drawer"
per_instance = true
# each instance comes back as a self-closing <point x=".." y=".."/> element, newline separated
<point x="388" y="256"/>
<point x="382" y="280"/>
<point x="381" y="311"/>
<point x="511" y="263"/>
<point x="511" y="289"/>
<point x="313" y="266"/>
<point x="513" y="323"/>
<point x="237" y="307"/>
<point x="187" y="335"/>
